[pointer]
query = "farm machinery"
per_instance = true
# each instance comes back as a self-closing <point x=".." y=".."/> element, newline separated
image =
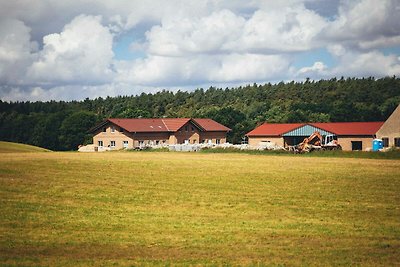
<point x="317" y="142"/>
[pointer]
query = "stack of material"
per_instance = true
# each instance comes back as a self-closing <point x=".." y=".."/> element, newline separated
<point x="87" y="148"/>
<point x="269" y="146"/>
<point x="185" y="148"/>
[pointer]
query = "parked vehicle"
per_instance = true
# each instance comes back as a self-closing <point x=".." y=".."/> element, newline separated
<point x="316" y="142"/>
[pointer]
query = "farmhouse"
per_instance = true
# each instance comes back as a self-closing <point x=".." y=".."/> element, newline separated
<point x="390" y="130"/>
<point x="350" y="135"/>
<point x="132" y="133"/>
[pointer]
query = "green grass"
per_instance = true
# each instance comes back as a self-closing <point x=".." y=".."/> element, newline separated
<point x="197" y="209"/>
<point x="9" y="147"/>
<point x="391" y="154"/>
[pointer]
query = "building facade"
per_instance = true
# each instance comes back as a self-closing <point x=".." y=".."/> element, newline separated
<point x="390" y="130"/>
<point x="350" y="135"/>
<point x="137" y="133"/>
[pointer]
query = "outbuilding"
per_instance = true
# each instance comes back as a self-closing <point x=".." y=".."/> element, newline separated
<point x="350" y="135"/>
<point x="389" y="132"/>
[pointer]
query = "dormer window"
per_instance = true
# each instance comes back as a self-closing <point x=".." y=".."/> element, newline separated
<point x="112" y="129"/>
<point x="104" y="129"/>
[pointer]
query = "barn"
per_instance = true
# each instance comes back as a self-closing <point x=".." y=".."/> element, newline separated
<point x="350" y="135"/>
<point x="116" y="133"/>
<point x="390" y="130"/>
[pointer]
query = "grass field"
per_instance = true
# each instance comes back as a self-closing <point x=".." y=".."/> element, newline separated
<point x="197" y="208"/>
<point x="9" y="147"/>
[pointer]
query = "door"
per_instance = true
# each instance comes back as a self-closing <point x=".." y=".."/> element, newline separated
<point x="125" y="144"/>
<point x="356" y="145"/>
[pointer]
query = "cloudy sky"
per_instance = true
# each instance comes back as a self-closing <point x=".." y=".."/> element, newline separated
<point x="74" y="49"/>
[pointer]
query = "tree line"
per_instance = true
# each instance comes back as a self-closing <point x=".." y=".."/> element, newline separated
<point x="60" y="125"/>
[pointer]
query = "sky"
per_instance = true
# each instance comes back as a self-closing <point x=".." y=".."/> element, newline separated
<point x="71" y="50"/>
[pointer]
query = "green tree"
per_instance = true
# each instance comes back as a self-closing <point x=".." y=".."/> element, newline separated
<point x="74" y="129"/>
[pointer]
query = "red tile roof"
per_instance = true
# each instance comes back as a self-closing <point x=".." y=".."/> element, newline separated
<point x="141" y="125"/>
<point x="350" y="128"/>
<point x="274" y="129"/>
<point x="210" y="125"/>
<point x="174" y="125"/>
<point x="166" y="124"/>
<point x="338" y="128"/>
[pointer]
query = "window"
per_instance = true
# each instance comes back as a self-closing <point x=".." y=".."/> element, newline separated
<point x="192" y="129"/>
<point x="112" y="129"/>
<point x="125" y="144"/>
<point x="385" y="141"/>
<point x="218" y="141"/>
<point x="112" y="143"/>
<point x="141" y="143"/>
<point x="397" y="141"/>
<point x="203" y="141"/>
<point x="100" y="143"/>
<point x="157" y="143"/>
<point x="186" y="128"/>
<point x="356" y="145"/>
<point x="104" y="129"/>
<point x="194" y="141"/>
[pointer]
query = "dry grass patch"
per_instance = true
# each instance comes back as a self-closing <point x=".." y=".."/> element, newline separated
<point x="191" y="208"/>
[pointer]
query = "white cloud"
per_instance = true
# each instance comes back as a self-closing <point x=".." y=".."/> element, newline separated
<point x="270" y="31"/>
<point x="337" y="50"/>
<point x="182" y="36"/>
<point x="70" y="92"/>
<point x="15" y="50"/>
<point x="281" y="30"/>
<point x="81" y="53"/>
<point x="372" y="63"/>
<point x="64" y="49"/>
<point x="367" y="24"/>
<point x="249" y="68"/>
<point x="317" y="69"/>
<point x="172" y="71"/>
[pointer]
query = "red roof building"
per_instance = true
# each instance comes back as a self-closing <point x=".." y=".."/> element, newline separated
<point x="350" y="135"/>
<point x="131" y="133"/>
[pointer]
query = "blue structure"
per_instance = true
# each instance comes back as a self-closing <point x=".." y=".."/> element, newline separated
<point x="297" y="135"/>
<point x="377" y="144"/>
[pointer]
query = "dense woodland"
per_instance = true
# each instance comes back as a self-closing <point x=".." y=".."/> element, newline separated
<point x="60" y="125"/>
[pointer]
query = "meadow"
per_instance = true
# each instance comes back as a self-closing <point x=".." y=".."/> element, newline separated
<point x="140" y="208"/>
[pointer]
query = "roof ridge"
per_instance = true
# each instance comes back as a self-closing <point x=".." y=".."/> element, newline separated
<point x="162" y="119"/>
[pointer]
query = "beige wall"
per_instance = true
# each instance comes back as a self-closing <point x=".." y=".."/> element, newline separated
<point x="135" y="139"/>
<point x="188" y="132"/>
<point x="345" y="141"/>
<point x="150" y="138"/>
<point x="195" y="136"/>
<point x="391" y="128"/>
<point x="213" y="136"/>
<point x="255" y="141"/>
<point x="118" y="136"/>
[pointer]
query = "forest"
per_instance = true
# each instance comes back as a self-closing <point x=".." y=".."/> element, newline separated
<point x="61" y="125"/>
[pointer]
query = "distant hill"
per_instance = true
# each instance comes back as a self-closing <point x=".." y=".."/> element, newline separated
<point x="9" y="147"/>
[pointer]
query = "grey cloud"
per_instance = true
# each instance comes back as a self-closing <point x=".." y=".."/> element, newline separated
<point x="185" y="43"/>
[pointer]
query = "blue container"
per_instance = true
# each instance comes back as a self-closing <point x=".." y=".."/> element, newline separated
<point x="377" y="144"/>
